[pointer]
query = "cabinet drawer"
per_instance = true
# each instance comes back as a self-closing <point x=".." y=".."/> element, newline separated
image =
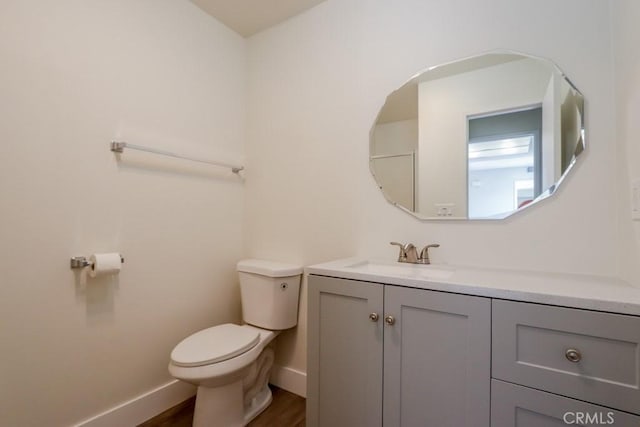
<point x="517" y="406"/>
<point x="532" y="345"/>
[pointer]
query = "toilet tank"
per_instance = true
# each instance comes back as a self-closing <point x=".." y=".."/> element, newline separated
<point x="269" y="292"/>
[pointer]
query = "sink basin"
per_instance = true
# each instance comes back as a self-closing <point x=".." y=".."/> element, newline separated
<point x="418" y="271"/>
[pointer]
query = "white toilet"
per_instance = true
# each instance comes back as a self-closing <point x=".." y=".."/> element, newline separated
<point x="231" y="363"/>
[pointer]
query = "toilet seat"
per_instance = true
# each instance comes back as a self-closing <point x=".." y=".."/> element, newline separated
<point x="215" y="344"/>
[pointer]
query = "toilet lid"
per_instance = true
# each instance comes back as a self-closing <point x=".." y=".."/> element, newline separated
<point x="214" y="344"/>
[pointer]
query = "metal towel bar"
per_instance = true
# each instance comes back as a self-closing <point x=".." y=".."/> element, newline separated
<point x="119" y="146"/>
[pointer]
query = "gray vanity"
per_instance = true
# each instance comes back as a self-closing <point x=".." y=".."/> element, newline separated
<point x="395" y="344"/>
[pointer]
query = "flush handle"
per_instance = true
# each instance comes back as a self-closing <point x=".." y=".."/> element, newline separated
<point x="573" y="355"/>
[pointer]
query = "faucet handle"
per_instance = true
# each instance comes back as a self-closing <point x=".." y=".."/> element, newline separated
<point x="424" y="253"/>
<point x="402" y="256"/>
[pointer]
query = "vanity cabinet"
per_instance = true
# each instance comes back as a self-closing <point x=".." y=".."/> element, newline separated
<point x="395" y="344"/>
<point x="386" y="355"/>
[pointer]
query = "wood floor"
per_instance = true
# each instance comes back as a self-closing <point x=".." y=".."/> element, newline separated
<point x="286" y="410"/>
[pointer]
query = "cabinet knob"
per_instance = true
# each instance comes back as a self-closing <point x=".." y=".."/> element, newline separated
<point x="373" y="317"/>
<point x="573" y="355"/>
<point x="389" y="320"/>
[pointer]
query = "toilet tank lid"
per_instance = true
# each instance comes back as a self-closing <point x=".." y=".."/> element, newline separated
<point x="269" y="268"/>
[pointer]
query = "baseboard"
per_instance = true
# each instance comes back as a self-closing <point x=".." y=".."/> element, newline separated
<point x="143" y="407"/>
<point x="156" y="401"/>
<point x="289" y="379"/>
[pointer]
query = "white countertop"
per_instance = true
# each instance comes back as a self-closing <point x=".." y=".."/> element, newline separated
<point x="568" y="290"/>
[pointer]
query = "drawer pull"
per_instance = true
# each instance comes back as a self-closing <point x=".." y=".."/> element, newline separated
<point x="373" y="317"/>
<point x="573" y="355"/>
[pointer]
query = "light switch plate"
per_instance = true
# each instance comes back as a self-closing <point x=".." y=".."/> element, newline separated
<point x="635" y="199"/>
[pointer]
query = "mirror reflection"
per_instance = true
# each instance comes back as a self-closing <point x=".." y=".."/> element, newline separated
<point x="479" y="138"/>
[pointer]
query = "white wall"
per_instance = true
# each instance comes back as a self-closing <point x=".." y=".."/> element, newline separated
<point x="74" y="75"/>
<point x="316" y="84"/>
<point x="625" y="16"/>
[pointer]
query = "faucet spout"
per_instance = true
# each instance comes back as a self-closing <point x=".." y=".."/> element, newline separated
<point x="408" y="252"/>
<point x="411" y="253"/>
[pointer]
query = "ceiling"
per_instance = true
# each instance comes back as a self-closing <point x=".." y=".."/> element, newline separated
<point x="248" y="17"/>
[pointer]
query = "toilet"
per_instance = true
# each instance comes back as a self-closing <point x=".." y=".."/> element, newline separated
<point x="230" y="364"/>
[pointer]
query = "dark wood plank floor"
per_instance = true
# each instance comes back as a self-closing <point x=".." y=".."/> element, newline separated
<point x="286" y="410"/>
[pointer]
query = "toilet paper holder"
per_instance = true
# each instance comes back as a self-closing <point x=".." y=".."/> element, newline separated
<point x="82" y="262"/>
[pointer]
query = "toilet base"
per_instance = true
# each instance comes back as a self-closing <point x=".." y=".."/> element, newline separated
<point x="219" y="406"/>
<point x="258" y="404"/>
<point x="222" y="406"/>
<point x="237" y="403"/>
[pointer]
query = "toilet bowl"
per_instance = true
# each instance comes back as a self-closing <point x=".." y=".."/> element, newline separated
<point x="230" y="364"/>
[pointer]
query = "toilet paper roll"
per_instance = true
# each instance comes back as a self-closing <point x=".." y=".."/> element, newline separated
<point x="101" y="264"/>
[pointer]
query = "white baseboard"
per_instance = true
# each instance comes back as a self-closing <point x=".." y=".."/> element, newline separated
<point x="143" y="407"/>
<point x="289" y="379"/>
<point x="156" y="401"/>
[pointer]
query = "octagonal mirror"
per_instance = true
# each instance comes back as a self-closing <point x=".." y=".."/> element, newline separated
<point x="479" y="138"/>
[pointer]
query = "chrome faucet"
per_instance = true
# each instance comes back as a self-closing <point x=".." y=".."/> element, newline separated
<point x="409" y="253"/>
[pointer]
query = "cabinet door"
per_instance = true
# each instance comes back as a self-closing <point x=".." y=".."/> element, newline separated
<point x="436" y="359"/>
<point x="344" y="363"/>
<point x="517" y="406"/>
